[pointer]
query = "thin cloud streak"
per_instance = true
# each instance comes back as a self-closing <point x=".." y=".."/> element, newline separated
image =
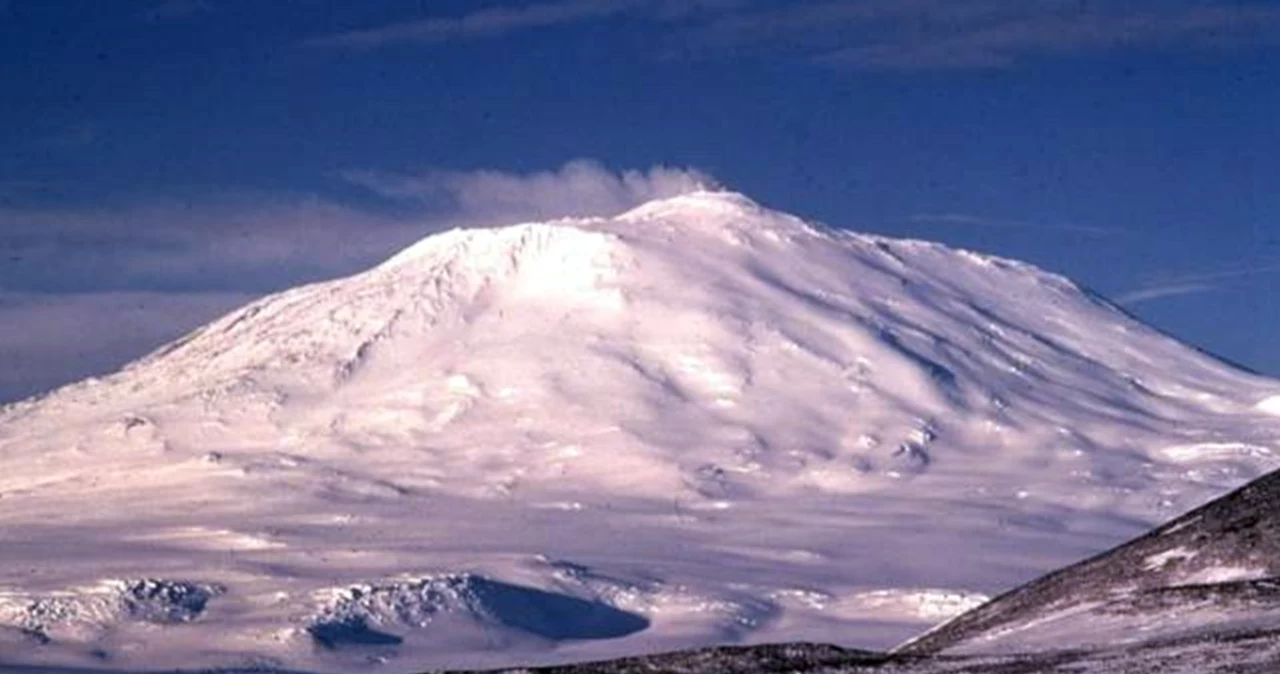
<point x="1193" y="284"/>
<point x="1233" y="273"/>
<point x="868" y="34"/>
<point x="976" y="34"/>
<point x="1160" y="292"/>
<point x="42" y="336"/>
<point x="486" y="23"/>
<point x="216" y="243"/>
<point x="1006" y="43"/>
<point x="499" y="21"/>
<point x="981" y="221"/>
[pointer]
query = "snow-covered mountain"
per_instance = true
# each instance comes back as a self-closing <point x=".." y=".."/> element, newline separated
<point x="699" y="421"/>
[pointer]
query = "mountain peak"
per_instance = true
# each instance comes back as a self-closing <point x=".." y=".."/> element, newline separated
<point x="698" y="208"/>
<point x="698" y="202"/>
<point x="712" y="211"/>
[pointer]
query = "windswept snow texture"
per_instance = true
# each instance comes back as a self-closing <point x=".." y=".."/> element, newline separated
<point x="703" y="420"/>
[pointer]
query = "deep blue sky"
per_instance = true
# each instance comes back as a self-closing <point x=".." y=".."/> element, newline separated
<point x="165" y="160"/>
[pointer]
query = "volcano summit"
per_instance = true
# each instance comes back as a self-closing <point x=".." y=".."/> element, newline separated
<point x="697" y="422"/>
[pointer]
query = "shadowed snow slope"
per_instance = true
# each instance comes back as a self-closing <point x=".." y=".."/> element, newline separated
<point x="701" y="419"/>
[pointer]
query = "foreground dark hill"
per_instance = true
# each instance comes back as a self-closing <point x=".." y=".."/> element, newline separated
<point x="1245" y="654"/>
<point x="1210" y="573"/>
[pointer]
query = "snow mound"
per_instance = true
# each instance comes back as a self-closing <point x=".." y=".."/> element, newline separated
<point x="731" y="615"/>
<point x="81" y="613"/>
<point x="1270" y="405"/>
<point x="370" y="614"/>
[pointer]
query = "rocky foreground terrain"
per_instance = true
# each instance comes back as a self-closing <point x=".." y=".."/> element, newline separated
<point x="1199" y="595"/>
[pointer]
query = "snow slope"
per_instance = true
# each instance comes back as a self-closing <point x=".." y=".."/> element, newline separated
<point x="699" y="421"/>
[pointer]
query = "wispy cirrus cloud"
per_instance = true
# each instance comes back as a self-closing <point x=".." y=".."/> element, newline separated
<point x="869" y="34"/>
<point x="501" y="20"/>
<point x="492" y="22"/>
<point x="956" y="34"/>
<point x="1164" y="290"/>
<point x="1005" y="43"/>
<point x="998" y="223"/>
<point x="228" y="242"/>
<point x="43" y="336"/>
<point x="1191" y="284"/>
<point x="134" y="275"/>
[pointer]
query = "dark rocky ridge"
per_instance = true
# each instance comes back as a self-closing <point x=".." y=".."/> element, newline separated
<point x="1243" y="654"/>
<point x="765" y="659"/>
<point x="1165" y="570"/>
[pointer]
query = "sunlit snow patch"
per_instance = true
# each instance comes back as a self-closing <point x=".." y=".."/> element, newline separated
<point x="209" y="538"/>
<point x="1269" y="405"/>
<point x="1159" y="560"/>
<point x="924" y="603"/>
<point x="1226" y="573"/>
<point x="1214" y="451"/>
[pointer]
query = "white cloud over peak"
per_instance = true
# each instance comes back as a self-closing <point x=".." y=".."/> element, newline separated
<point x="143" y="271"/>
<point x="581" y="187"/>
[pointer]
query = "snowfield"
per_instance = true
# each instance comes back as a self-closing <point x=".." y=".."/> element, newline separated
<point x="697" y="422"/>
